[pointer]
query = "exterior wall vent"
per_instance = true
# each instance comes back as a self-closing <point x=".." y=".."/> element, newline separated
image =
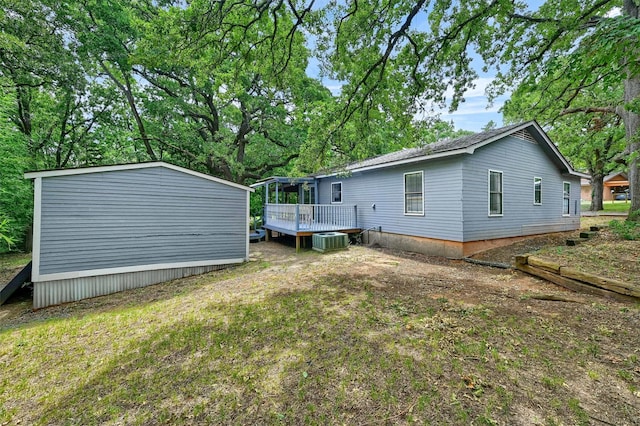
<point x="523" y="134"/>
<point x="327" y="241"/>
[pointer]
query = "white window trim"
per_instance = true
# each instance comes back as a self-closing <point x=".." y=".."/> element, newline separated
<point x="569" y="204"/>
<point x="341" y="189"/>
<point x="534" y="191"/>
<point x="404" y="193"/>
<point x="489" y="193"/>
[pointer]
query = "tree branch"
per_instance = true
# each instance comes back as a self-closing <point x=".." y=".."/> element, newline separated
<point x="589" y="110"/>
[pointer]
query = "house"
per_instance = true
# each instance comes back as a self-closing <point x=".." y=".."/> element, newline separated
<point x="615" y="187"/>
<point x="100" y="230"/>
<point x="451" y="198"/>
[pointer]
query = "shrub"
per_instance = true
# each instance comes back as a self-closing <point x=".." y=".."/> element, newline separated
<point x="4" y="229"/>
<point x="626" y="229"/>
<point x="16" y="193"/>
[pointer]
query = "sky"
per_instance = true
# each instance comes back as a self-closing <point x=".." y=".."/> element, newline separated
<point x="476" y="111"/>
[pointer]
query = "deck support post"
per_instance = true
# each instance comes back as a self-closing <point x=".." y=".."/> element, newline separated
<point x="297" y="243"/>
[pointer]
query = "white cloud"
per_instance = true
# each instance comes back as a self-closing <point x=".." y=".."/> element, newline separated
<point x="476" y="110"/>
<point x="616" y="11"/>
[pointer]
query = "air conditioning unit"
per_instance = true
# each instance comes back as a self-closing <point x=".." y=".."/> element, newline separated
<point x="327" y="241"/>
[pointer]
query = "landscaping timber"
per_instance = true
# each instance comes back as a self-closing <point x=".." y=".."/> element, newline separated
<point x="606" y="283"/>
<point x="544" y="264"/>
<point x="578" y="281"/>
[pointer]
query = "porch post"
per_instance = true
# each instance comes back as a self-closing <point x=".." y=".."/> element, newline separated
<point x="277" y="194"/>
<point x="297" y="217"/>
<point x="355" y="216"/>
<point x="315" y="191"/>
<point x="266" y="198"/>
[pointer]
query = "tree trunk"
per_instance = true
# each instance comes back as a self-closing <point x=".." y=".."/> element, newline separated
<point x="632" y="123"/>
<point x="597" y="186"/>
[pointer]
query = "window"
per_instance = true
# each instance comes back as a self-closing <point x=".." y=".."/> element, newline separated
<point x="336" y="192"/>
<point x="495" y="193"/>
<point x="413" y="194"/>
<point x="537" y="191"/>
<point x="566" y="196"/>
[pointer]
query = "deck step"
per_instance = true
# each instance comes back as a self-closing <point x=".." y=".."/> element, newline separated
<point x="22" y="277"/>
<point x="575" y="241"/>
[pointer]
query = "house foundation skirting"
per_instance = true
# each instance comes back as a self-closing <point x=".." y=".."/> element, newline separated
<point x="436" y="247"/>
<point x="48" y="293"/>
<point x="428" y="246"/>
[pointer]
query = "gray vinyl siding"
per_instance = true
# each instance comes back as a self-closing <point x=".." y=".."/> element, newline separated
<point x="136" y="217"/>
<point x="456" y="195"/>
<point x="519" y="161"/>
<point x="442" y="217"/>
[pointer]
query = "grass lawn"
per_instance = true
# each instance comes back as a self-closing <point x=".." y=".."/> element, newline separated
<point x="610" y="206"/>
<point x="359" y="337"/>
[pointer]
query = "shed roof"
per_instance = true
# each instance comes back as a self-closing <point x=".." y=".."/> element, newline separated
<point x="462" y="145"/>
<point x="135" y="166"/>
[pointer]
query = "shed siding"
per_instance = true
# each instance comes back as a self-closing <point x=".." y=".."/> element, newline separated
<point x="385" y="188"/>
<point x="520" y="161"/>
<point x="146" y="216"/>
<point x="70" y="290"/>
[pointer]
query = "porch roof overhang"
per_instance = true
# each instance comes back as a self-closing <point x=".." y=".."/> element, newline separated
<point x="289" y="183"/>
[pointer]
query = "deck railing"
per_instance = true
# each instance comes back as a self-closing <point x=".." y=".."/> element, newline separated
<point x="311" y="217"/>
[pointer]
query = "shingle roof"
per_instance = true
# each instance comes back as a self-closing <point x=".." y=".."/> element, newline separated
<point x="434" y="148"/>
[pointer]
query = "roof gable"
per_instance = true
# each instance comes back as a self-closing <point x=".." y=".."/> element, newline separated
<point x="135" y="166"/>
<point x="616" y="176"/>
<point x="530" y="131"/>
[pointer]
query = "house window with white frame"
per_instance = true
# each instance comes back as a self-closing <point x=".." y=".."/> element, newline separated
<point x="495" y="193"/>
<point x="566" y="197"/>
<point x="537" y="191"/>
<point x="336" y="193"/>
<point x="414" y="193"/>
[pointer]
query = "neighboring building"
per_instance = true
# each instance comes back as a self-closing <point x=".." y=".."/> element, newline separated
<point x="101" y="230"/>
<point x="615" y="187"/>
<point x="452" y="198"/>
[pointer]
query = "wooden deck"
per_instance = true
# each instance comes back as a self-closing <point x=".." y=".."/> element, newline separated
<point x="302" y="220"/>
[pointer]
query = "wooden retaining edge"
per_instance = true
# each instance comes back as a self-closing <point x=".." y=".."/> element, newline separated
<point x="578" y="281"/>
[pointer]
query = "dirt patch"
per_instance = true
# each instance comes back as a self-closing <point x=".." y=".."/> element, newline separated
<point x="604" y="254"/>
<point x="507" y="254"/>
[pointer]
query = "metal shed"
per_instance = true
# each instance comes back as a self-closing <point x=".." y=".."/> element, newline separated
<point x="100" y="230"/>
